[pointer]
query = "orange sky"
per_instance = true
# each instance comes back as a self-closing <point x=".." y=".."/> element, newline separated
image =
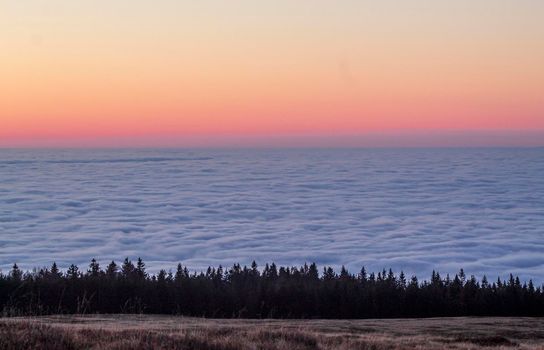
<point x="74" y="71"/>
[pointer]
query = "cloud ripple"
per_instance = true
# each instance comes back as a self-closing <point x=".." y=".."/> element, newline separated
<point x="416" y="209"/>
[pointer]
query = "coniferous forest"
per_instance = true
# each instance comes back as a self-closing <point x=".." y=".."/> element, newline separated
<point x="268" y="292"/>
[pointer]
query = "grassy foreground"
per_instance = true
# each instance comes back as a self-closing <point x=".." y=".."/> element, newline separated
<point x="163" y="332"/>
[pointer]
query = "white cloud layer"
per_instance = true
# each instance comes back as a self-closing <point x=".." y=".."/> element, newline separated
<point x="414" y="209"/>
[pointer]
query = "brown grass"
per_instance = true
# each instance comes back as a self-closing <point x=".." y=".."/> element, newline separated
<point x="162" y="332"/>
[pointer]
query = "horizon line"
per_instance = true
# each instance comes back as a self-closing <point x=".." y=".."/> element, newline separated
<point x="448" y="138"/>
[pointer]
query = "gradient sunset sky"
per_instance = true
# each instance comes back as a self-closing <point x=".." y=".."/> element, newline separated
<point x="282" y="72"/>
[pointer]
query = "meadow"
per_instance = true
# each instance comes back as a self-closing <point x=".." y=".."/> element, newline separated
<point x="169" y="332"/>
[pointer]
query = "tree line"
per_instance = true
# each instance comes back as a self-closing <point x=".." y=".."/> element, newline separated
<point x="270" y="292"/>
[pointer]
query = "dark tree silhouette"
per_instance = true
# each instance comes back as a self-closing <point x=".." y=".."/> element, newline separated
<point x="273" y="292"/>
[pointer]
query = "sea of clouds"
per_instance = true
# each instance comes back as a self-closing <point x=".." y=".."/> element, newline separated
<point x="413" y="209"/>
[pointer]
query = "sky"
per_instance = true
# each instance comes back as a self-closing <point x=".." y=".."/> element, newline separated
<point x="243" y="73"/>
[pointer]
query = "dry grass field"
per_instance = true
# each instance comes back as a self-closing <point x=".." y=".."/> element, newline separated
<point x="163" y="332"/>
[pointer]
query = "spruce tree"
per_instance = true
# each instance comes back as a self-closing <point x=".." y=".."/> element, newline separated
<point x="55" y="273"/>
<point x="94" y="268"/>
<point x="140" y="269"/>
<point x="16" y="273"/>
<point x="112" y="269"/>
<point x="72" y="272"/>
